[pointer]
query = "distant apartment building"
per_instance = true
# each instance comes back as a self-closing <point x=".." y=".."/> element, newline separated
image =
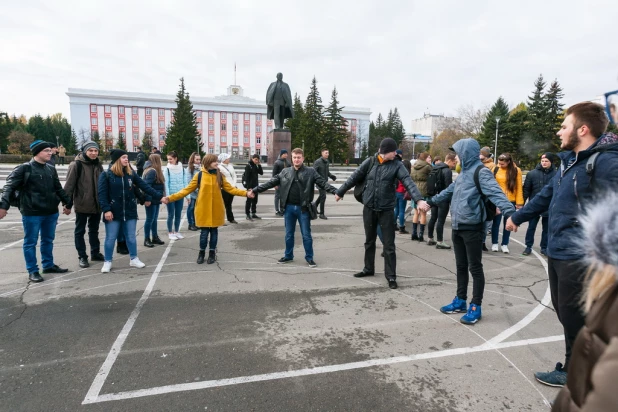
<point x="430" y="126"/>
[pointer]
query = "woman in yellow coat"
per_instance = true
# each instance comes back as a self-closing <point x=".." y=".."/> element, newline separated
<point x="209" y="207"/>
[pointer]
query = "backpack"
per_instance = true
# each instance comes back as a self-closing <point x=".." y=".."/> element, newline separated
<point x="359" y="188"/>
<point x="435" y="181"/>
<point x="14" y="196"/>
<point x="490" y="208"/>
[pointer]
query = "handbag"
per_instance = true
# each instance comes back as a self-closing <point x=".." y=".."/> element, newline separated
<point x="313" y="210"/>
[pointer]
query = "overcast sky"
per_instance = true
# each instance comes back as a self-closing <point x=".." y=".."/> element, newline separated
<point x="415" y="55"/>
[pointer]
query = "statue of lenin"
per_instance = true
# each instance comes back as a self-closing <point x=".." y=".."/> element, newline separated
<point x="279" y="102"/>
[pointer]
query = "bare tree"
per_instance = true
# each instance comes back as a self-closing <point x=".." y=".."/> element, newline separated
<point x="471" y="119"/>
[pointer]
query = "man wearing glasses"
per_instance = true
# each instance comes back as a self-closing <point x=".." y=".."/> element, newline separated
<point x="38" y="205"/>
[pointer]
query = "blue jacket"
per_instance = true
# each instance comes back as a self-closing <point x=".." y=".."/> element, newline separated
<point x="150" y="178"/>
<point x="174" y="182"/>
<point x="568" y="195"/>
<point x="467" y="209"/>
<point x="117" y="194"/>
<point x="536" y="180"/>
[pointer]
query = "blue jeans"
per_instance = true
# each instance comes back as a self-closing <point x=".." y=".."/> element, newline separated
<point x="150" y="227"/>
<point x="495" y="231"/>
<point x="532" y="229"/>
<point x="46" y="226"/>
<point x="112" y="230"/>
<point x="214" y="237"/>
<point x="291" y="214"/>
<point x="191" y="213"/>
<point x="174" y="211"/>
<point x="400" y="208"/>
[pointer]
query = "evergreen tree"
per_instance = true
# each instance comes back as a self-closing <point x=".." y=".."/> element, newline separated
<point x="555" y="114"/>
<point x="487" y="137"/>
<point x="120" y="143"/>
<point x="397" y="130"/>
<point x="182" y="134"/>
<point x="335" y="137"/>
<point x="294" y="124"/>
<point x="147" y="143"/>
<point x="6" y="127"/>
<point x="364" y="151"/>
<point x="312" y="123"/>
<point x="96" y="137"/>
<point x="71" y="145"/>
<point x="516" y="137"/>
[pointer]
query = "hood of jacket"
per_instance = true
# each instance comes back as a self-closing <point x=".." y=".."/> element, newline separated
<point x="468" y="152"/>
<point x="419" y="164"/>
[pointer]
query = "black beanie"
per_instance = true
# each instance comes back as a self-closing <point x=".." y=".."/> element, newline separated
<point x="116" y="154"/>
<point x="39" y="145"/>
<point x="549" y="156"/>
<point x="388" y="145"/>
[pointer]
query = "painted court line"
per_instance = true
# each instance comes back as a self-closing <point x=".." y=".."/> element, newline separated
<point x="313" y="371"/>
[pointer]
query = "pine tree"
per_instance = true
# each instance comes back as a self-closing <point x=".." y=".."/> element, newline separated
<point x="487" y="137"/>
<point x="182" y="134"/>
<point x="71" y="146"/>
<point x="120" y="143"/>
<point x="96" y="137"/>
<point x="555" y="114"/>
<point x="294" y="124"/>
<point x="147" y="143"/>
<point x="397" y="130"/>
<point x="335" y="136"/>
<point x="312" y="123"/>
<point x="538" y="111"/>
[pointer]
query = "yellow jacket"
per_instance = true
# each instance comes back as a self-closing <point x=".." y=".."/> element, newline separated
<point x="518" y="195"/>
<point x="209" y="207"/>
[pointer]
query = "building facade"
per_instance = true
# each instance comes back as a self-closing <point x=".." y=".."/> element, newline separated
<point x="431" y="125"/>
<point x="231" y="123"/>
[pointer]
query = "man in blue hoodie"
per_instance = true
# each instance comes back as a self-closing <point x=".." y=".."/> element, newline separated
<point x="589" y="167"/>
<point x="468" y="216"/>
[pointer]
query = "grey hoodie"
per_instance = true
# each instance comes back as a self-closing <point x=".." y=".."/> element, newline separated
<point x="467" y="210"/>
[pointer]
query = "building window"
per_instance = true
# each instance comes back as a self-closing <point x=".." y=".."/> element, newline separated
<point x="198" y="114"/>
<point x="258" y="117"/>
<point x="258" y="140"/>
<point x="134" y="110"/>
<point x="246" y="128"/>
<point x="258" y="152"/>
<point x="108" y="122"/>
<point x="199" y="126"/>
<point x="223" y="115"/>
<point x="234" y="139"/>
<point x="235" y="116"/>
<point x="148" y="111"/>
<point x="235" y="128"/>
<point x="223" y="126"/>
<point x="148" y="123"/>
<point x="93" y="108"/>
<point x="161" y="124"/>
<point x="135" y="136"/>
<point x="223" y="150"/>
<point x="108" y="109"/>
<point x="211" y="115"/>
<point x="258" y="129"/>
<point x="211" y="127"/>
<point x="121" y="122"/>
<point x="247" y="116"/>
<point x="223" y="139"/>
<point x="162" y="137"/>
<point x="246" y="139"/>
<point x="93" y="121"/>
<point x="120" y="109"/>
<point x="211" y="150"/>
<point x="161" y="112"/>
<point x="211" y="139"/>
<point x="135" y="123"/>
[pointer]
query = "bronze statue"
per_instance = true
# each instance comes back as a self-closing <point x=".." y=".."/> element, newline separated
<point x="279" y="102"/>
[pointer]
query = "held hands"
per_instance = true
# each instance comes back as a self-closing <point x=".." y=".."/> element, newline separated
<point x="147" y="203"/>
<point x="66" y="211"/>
<point x="518" y="207"/>
<point x="165" y="200"/>
<point x="250" y="194"/>
<point x="422" y="205"/>
<point x="109" y="216"/>
<point x="510" y="226"/>
<point x="2" y="213"/>
<point x="337" y="198"/>
<point x="334" y="178"/>
<point x="498" y="212"/>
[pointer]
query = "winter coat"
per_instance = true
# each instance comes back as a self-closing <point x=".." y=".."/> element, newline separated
<point x="279" y="165"/>
<point x="467" y="209"/>
<point x="175" y="178"/>
<point x="251" y="174"/>
<point x="209" y="206"/>
<point x="488" y="163"/>
<point x="308" y="178"/>
<point x="189" y="177"/>
<point x="117" y="194"/>
<point x="81" y="184"/>
<point x="40" y="195"/>
<point x="140" y="160"/>
<point x="62" y="151"/>
<point x="150" y="177"/>
<point x="569" y="192"/>
<point x="535" y="182"/>
<point x="380" y="183"/>
<point x="516" y="196"/>
<point x="420" y="171"/>
<point x="322" y="166"/>
<point x="228" y="171"/>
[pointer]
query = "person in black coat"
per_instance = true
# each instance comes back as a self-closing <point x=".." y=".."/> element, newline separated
<point x="250" y="179"/>
<point x="278" y="166"/>
<point x="535" y="181"/>
<point x="321" y="165"/>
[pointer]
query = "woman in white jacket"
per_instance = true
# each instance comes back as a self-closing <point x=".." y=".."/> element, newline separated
<point x="227" y="169"/>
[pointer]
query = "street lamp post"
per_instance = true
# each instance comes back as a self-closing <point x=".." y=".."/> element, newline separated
<point x="496" y="146"/>
<point x="413" y="143"/>
<point x="57" y="141"/>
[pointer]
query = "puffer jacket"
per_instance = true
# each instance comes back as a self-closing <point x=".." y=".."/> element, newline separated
<point x="117" y="194"/>
<point x="380" y="183"/>
<point x="189" y="176"/>
<point x="308" y="178"/>
<point x="175" y="178"/>
<point x="535" y="182"/>
<point x="83" y="188"/>
<point x="570" y="192"/>
<point x="420" y="171"/>
<point x="322" y="166"/>
<point x="41" y="194"/>
<point x="150" y="177"/>
<point x="467" y="209"/>
<point x="228" y="171"/>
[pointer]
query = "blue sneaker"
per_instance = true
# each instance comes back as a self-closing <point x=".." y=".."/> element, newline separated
<point x="456" y="306"/>
<point x="556" y="378"/>
<point x="472" y="316"/>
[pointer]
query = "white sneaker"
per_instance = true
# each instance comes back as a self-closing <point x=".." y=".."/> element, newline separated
<point x="172" y="236"/>
<point x="107" y="266"/>
<point x="136" y="263"/>
<point x="179" y="236"/>
<point x="505" y="249"/>
<point x="494" y="247"/>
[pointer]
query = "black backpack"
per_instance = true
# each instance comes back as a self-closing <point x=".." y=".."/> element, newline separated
<point x="359" y="188"/>
<point x="14" y="196"/>
<point x="490" y="208"/>
<point x="435" y="181"/>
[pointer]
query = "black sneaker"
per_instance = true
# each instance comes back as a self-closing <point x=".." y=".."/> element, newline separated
<point x="35" y="277"/>
<point x="544" y="252"/>
<point x="311" y="263"/>
<point x="284" y="260"/>
<point x="193" y="228"/>
<point x="254" y="216"/>
<point x="121" y="248"/>
<point x="249" y="218"/>
<point x="55" y="269"/>
<point x="83" y="263"/>
<point x="485" y="248"/>
<point x="392" y="283"/>
<point x="323" y="217"/>
<point x="362" y="274"/>
<point x="97" y="257"/>
<point x="527" y="251"/>
<point x="233" y="221"/>
<point x="148" y="242"/>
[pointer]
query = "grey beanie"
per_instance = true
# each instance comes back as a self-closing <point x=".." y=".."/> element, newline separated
<point x="90" y="145"/>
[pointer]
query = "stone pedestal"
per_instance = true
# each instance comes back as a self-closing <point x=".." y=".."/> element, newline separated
<point x="278" y="139"/>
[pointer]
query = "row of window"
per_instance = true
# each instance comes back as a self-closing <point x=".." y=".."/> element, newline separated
<point x="211" y="127"/>
<point x="211" y="115"/>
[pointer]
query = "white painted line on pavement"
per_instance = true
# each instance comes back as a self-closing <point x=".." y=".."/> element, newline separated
<point x="312" y="371"/>
<point x="21" y="240"/>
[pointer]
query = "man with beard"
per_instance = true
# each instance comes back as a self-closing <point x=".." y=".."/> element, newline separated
<point x="589" y="166"/>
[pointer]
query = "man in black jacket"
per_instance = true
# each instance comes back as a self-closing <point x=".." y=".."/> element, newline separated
<point x="250" y="179"/>
<point x="297" y="185"/>
<point x="379" y="175"/>
<point x="321" y="165"/>
<point x="140" y="161"/>
<point x="40" y="192"/>
<point x="535" y="182"/>
<point x="279" y="165"/>
<point x="439" y="212"/>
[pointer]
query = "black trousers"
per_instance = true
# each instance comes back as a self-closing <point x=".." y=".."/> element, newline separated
<point x="140" y="171"/>
<point x="386" y="220"/>
<point x="321" y="200"/>
<point x="468" y="247"/>
<point x="566" y="284"/>
<point x="92" y="221"/>
<point x="227" y="201"/>
<point x="251" y="204"/>
<point x="438" y="215"/>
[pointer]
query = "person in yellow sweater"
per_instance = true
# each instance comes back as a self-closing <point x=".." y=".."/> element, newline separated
<point x="509" y="178"/>
<point x="209" y="207"/>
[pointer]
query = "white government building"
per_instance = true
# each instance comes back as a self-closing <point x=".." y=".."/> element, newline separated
<point x="231" y="123"/>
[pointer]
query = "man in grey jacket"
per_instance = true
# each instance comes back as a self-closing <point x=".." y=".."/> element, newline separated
<point x="379" y="175"/>
<point x="321" y="165"/>
<point x="468" y="216"/>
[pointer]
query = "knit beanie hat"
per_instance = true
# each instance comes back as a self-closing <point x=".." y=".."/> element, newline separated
<point x="549" y="156"/>
<point x="283" y="151"/>
<point x="223" y="157"/>
<point x="486" y="151"/>
<point x="39" y="145"/>
<point x="116" y="154"/>
<point x="388" y="145"/>
<point x="90" y="145"/>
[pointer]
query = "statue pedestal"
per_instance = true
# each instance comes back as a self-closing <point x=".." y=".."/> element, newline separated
<point x="278" y="139"/>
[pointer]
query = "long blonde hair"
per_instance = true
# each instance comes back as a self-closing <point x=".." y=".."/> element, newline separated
<point x="155" y="164"/>
<point x="598" y="280"/>
<point x="119" y="170"/>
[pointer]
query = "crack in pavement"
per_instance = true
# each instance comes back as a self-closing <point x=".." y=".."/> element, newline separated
<point x="425" y="260"/>
<point x="230" y="273"/>
<point x="21" y="301"/>
<point x="537" y="300"/>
